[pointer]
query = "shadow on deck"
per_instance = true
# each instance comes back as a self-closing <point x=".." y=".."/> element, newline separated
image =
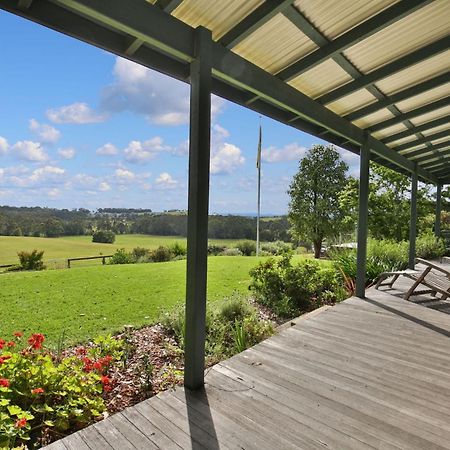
<point x="369" y="373"/>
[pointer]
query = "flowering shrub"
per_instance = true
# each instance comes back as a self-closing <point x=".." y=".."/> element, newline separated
<point x="42" y="395"/>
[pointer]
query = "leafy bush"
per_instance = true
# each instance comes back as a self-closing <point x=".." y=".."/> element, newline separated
<point x="104" y="237"/>
<point x="140" y="253"/>
<point x="214" y="249"/>
<point x="247" y="248"/>
<point x="429" y="247"/>
<point x="31" y="260"/>
<point x="230" y="328"/>
<point x="232" y="252"/>
<point x="178" y="249"/>
<point x="120" y="256"/>
<point x="276" y="248"/>
<point x="42" y="396"/>
<point x="161" y="254"/>
<point x="290" y="290"/>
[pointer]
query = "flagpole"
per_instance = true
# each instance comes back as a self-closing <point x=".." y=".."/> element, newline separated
<point x="258" y="165"/>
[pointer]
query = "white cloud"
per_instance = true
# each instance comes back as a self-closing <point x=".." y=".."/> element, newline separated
<point x="29" y="151"/>
<point x="3" y="145"/>
<point x="77" y="113"/>
<point x="67" y="153"/>
<point x="104" y="187"/>
<point x="165" y="181"/>
<point x="141" y="152"/>
<point x="54" y="193"/>
<point x="47" y="173"/>
<point x="83" y="180"/>
<point x="107" y="150"/>
<point x="159" y="98"/>
<point x="124" y="175"/>
<point x="45" y="133"/>
<point x="226" y="158"/>
<point x="290" y="152"/>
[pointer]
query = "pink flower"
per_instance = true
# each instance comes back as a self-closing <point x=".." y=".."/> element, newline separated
<point x="37" y="391"/>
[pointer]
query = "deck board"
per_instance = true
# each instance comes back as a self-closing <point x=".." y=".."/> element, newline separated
<point x="369" y="373"/>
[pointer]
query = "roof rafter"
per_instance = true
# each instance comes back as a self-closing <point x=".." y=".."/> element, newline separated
<point x="418" y="129"/>
<point x="423" y="140"/>
<point x="433" y="106"/>
<point x="423" y="150"/>
<point x="352" y="37"/>
<point x="443" y="157"/>
<point x="257" y="18"/>
<point x="387" y="70"/>
<point x="168" y="5"/>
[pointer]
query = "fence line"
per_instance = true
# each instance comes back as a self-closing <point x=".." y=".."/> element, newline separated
<point x="83" y="258"/>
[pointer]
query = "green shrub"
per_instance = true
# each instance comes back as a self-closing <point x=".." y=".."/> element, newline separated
<point x="120" y="256"/>
<point x="161" y="254"/>
<point x="429" y="247"/>
<point x="234" y="308"/>
<point x="31" y="260"/>
<point x="290" y="290"/>
<point x="214" y="249"/>
<point x="247" y="248"/>
<point x="231" y="252"/>
<point x="178" y="249"/>
<point x="43" y="396"/>
<point x="104" y="237"/>
<point x="140" y="253"/>
<point x="276" y="248"/>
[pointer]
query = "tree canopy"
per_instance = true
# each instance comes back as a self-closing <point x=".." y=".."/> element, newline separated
<point x="314" y="208"/>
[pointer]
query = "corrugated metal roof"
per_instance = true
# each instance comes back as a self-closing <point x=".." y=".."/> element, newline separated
<point x="424" y="98"/>
<point x="389" y="131"/>
<point x="431" y="116"/>
<point x="352" y="102"/>
<point x="275" y="45"/>
<point x="372" y="119"/>
<point x="333" y="18"/>
<point x="217" y="16"/>
<point x="377" y="50"/>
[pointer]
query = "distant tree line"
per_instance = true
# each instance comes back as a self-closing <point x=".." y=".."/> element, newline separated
<point x="49" y="222"/>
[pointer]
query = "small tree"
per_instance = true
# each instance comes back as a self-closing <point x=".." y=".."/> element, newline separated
<point x="104" y="237"/>
<point x="314" y="211"/>
<point x="31" y="260"/>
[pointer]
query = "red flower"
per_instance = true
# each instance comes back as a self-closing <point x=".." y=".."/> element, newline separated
<point x="36" y="340"/>
<point x="4" y="358"/>
<point x="106" y="360"/>
<point x="4" y="382"/>
<point x="88" y="364"/>
<point x="2" y="343"/>
<point x="106" y="381"/>
<point x="21" y="423"/>
<point x="11" y="344"/>
<point x="98" y="366"/>
<point x="81" y="351"/>
<point x="37" y="391"/>
<point x="18" y="334"/>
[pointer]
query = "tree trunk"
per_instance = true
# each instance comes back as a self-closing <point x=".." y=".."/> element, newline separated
<point x="317" y="248"/>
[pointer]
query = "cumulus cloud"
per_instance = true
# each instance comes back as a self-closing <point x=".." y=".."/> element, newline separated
<point x="29" y="151"/>
<point x="45" y="133"/>
<point x="159" y="98"/>
<point x="104" y="186"/>
<point x="107" y="150"/>
<point x="67" y="153"/>
<point x="76" y="113"/>
<point x="3" y="145"/>
<point x="47" y="173"/>
<point x="124" y="176"/>
<point x="290" y="152"/>
<point x="165" y="181"/>
<point x="226" y="158"/>
<point x="141" y="152"/>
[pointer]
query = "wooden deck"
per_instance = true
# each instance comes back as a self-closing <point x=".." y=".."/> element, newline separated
<point x="369" y="373"/>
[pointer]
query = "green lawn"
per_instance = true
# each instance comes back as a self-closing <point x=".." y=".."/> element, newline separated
<point x="74" y="246"/>
<point x="88" y="301"/>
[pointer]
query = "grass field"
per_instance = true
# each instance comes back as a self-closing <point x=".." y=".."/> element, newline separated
<point x="75" y="246"/>
<point x="88" y="301"/>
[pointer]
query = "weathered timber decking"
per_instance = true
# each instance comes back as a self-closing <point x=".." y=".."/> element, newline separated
<point x="369" y="373"/>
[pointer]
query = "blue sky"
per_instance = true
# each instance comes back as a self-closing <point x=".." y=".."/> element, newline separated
<point x="83" y="128"/>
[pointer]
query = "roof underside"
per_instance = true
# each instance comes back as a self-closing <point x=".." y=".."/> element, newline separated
<point x="347" y="71"/>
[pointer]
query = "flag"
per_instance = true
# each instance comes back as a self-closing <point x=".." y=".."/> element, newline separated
<point x="258" y="158"/>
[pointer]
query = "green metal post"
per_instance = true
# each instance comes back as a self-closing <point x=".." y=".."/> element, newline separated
<point x="437" y="224"/>
<point x="198" y="198"/>
<point x="413" y="222"/>
<point x="363" y="213"/>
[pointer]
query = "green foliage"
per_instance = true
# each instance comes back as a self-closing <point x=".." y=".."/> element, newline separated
<point x="104" y="237"/>
<point x="290" y="289"/>
<point x="43" y="396"/>
<point x="31" y="260"/>
<point x="120" y="256"/>
<point x="232" y="252"/>
<point x="276" y="248"/>
<point x="215" y="249"/>
<point x="140" y="253"/>
<point x="247" y="248"/>
<point x="314" y="210"/>
<point x="429" y="247"/>
<point x="161" y="254"/>
<point x="178" y="249"/>
<point x="231" y="327"/>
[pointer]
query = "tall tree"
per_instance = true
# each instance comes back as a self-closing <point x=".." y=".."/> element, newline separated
<point x="314" y="211"/>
